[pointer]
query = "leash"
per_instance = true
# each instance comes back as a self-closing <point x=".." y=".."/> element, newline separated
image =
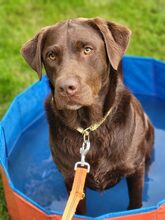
<point x="81" y="169"/>
<point x="77" y="193"/>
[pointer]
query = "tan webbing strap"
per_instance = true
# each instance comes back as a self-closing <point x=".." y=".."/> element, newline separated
<point x="76" y="194"/>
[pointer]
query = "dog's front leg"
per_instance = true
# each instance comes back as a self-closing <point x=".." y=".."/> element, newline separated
<point x="135" y="184"/>
<point x="81" y="209"/>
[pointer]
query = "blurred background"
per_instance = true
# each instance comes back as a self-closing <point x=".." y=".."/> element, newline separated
<point x="21" y="19"/>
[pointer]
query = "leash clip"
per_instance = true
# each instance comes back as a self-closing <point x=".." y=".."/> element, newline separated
<point x="83" y="151"/>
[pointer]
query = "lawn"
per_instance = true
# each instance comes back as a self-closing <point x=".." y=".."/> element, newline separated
<point x="21" y="19"/>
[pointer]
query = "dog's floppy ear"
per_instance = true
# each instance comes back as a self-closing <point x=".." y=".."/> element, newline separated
<point x="31" y="51"/>
<point x="116" y="38"/>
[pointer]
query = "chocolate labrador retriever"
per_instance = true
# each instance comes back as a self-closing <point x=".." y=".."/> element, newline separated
<point x="81" y="59"/>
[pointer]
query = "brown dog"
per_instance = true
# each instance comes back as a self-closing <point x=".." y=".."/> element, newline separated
<point x="81" y="58"/>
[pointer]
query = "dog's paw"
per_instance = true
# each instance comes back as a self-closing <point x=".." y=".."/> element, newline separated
<point x="134" y="206"/>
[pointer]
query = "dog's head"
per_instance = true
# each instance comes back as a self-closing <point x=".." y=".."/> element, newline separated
<point x="77" y="55"/>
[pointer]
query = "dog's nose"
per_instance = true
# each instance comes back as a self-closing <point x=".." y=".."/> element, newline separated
<point x="69" y="87"/>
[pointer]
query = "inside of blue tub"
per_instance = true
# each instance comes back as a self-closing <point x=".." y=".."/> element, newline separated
<point x="34" y="174"/>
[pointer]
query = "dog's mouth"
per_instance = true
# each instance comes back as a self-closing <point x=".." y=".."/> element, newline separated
<point x="73" y="102"/>
<point x="73" y="106"/>
<point x="69" y="104"/>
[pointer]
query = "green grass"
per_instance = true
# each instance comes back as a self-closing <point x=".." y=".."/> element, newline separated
<point x="21" y="19"/>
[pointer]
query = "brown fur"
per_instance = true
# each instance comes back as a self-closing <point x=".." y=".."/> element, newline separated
<point x="89" y="79"/>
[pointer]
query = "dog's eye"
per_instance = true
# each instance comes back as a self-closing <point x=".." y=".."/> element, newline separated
<point x="87" y="50"/>
<point x="52" y="56"/>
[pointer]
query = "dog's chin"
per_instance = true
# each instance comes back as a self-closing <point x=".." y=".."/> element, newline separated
<point x="73" y="107"/>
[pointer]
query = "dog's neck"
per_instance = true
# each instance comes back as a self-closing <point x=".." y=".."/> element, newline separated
<point x="88" y="115"/>
<point x="83" y="117"/>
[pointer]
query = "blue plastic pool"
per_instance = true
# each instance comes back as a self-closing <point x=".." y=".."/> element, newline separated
<point x="27" y="158"/>
<point x="34" y="173"/>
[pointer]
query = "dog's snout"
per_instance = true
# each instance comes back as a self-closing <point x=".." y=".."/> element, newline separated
<point x="67" y="86"/>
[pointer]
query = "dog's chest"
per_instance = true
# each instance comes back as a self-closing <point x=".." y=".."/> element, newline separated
<point x="106" y="166"/>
